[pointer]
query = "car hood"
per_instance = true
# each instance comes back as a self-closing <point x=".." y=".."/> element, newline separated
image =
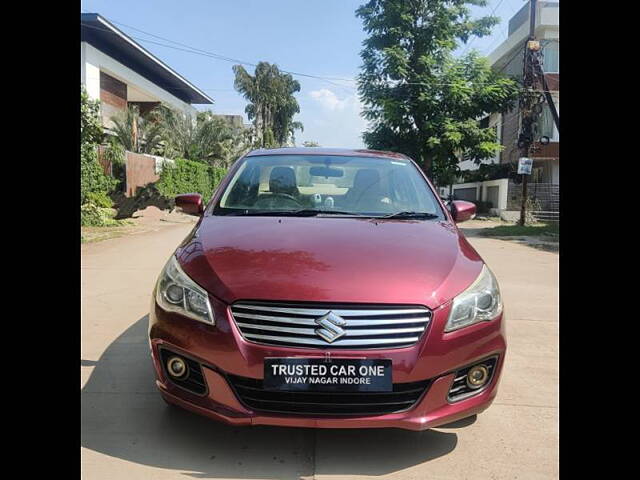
<point x="329" y="259"/>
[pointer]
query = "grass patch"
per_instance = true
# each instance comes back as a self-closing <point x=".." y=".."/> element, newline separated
<point x="546" y="229"/>
<point x="97" y="234"/>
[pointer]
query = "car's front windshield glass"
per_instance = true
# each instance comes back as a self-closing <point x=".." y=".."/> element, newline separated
<point x="327" y="184"/>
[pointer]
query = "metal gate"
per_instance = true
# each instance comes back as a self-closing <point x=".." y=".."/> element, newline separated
<point x="544" y="197"/>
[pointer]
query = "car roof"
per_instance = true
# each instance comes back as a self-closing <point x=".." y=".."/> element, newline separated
<point x="326" y="151"/>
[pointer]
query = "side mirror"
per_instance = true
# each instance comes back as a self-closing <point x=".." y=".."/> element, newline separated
<point x="462" y="211"/>
<point x="190" y="203"/>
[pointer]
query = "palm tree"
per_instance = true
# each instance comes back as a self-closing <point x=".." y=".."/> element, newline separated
<point x="272" y="104"/>
<point x="137" y="133"/>
<point x="287" y="106"/>
<point x="204" y="138"/>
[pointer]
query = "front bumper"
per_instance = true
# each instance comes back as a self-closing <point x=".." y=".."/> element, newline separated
<point x="221" y="350"/>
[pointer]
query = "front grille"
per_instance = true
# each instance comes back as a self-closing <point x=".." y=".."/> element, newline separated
<point x="380" y="326"/>
<point x="194" y="381"/>
<point x="251" y="393"/>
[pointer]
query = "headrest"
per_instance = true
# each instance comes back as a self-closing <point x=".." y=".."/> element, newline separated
<point x="283" y="180"/>
<point x="366" y="179"/>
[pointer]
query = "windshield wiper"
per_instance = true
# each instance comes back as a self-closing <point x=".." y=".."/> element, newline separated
<point x="305" y="212"/>
<point x="310" y="212"/>
<point x="411" y="214"/>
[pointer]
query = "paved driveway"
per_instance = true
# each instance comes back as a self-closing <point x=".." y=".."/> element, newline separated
<point x="128" y="432"/>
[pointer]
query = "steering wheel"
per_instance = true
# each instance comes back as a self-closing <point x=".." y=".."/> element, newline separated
<point x="277" y="200"/>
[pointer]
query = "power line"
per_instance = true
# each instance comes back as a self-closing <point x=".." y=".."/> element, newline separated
<point x="244" y="62"/>
<point x="218" y="57"/>
<point x="517" y="52"/>
<point x="503" y="31"/>
<point x="197" y="51"/>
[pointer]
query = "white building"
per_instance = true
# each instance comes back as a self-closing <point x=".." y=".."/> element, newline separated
<point x="119" y="72"/>
<point x="507" y="58"/>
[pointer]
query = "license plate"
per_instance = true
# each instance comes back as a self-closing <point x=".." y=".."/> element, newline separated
<point x="321" y="375"/>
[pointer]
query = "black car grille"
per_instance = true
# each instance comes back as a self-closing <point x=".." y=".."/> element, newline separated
<point x="194" y="382"/>
<point x="252" y="394"/>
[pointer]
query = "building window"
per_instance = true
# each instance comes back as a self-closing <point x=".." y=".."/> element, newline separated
<point x="545" y="123"/>
<point x="551" y="56"/>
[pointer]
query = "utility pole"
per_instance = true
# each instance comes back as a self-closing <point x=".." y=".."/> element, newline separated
<point x="530" y="99"/>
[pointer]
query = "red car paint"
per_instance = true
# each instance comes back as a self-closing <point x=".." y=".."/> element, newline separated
<point x="296" y="259"/>
<point x="190" y="203"/>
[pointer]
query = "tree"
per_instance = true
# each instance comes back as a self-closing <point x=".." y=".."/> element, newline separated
<point x="93" y="181"/>
<point x="92" y="177"/>
<point x="191" y="137"/>
<point x="418" y="98"/>
<point x="90" y="123"/>
<point x="232" y="148"/>
<point x="203" y="138"/>
<point x="138" y="133"/>
<point x="272" y="104"/>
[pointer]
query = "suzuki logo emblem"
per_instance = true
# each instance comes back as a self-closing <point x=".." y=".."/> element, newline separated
<point x="331" y="324"/>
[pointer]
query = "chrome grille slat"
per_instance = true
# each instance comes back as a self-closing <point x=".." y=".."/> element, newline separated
<point x="366" y="327"/>
<point x="311" y="321"/>
<point x="312" y="331"/>
<point x="337" y="343"/>
<point x="319" y="312"/>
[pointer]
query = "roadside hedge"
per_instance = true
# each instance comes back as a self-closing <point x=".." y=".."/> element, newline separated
<point x="187" y="176"/>
<point x="92" y="215"/>
<point x="92" y="178"/>
<point x="216" y="174"/>
<point x="488" y="171"/>
<point x="99" y="199"/>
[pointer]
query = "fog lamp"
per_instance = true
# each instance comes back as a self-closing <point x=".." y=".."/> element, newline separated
<point x="176" y="367"/>
<point x="477" y="376"/>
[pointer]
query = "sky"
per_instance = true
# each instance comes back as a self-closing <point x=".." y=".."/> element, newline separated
<point x="322" y="38"/>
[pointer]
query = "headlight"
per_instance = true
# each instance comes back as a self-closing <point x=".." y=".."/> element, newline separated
<point x="480" y="302"/>
<point x="176" y="292"/>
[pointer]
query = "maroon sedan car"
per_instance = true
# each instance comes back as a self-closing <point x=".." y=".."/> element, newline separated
<point x="327" y="288"/>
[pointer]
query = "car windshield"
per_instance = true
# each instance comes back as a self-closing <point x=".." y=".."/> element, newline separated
<point x="328" y="184"/>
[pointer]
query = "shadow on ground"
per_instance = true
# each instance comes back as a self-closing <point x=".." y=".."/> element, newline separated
<point x="539" y="243"/>
<point x="123" y="416"/>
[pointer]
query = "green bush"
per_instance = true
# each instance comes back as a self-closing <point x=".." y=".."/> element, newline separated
<point x="115" y="153"/>
<point x="482" y="207"/>
<point x="92" y="215"/>
<point x="488" y="171"/>
<point x="187" y="176"/>
<point x="100" y="199"/>
<point x="92" y="177"/>
<point x="94" y="184"/>
<point x="217" y="174"/>
<point x="90" y="122"/>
